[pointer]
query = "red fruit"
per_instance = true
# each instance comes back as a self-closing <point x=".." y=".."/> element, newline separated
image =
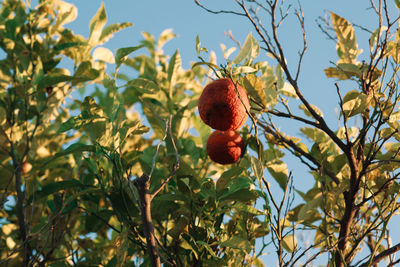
<point x="225" y="147"/>
<point x="220" y="107"/>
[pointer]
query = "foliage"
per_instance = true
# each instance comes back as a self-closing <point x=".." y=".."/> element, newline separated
<point x="98" y="167"/>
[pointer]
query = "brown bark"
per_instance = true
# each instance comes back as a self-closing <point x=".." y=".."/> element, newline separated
<point x="26" y="250"/>
<point x="143" y="185"/>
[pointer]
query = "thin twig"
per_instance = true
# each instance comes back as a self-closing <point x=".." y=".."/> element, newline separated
<point x="219" y="11"/>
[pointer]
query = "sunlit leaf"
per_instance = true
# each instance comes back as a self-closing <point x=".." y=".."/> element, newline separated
<point x="347" y="47"/>
<point x="165" y="36"/>
<point x="376" y="34"/>
<point x="288" y="90"/>
<point x="67" y="13"/>
<point x="249" y="51"/>
<point x="255" y="88"/>
<point x="289" y="242"/>
<point x="279" y="171"/>
<point x="314" y="108"/>
<point x="122" y="53"/>
<point x="238" y="243"/>
<point x="354" y="103"/>
<point x="103" y="54"/>
<point x="109" y="31"/>
<point x="96" y="24"/>
<point x="343" y="71"/>
<point x="173" y="68"/>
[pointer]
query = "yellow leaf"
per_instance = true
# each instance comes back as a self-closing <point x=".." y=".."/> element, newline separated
<point x="347" y="47"/>
<point x="103" y="54"/>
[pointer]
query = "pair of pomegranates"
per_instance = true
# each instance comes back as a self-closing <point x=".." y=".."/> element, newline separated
<point x="222" y="106"/>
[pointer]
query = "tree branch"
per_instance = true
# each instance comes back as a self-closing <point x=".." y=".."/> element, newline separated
<point x="143" y="185"/>
<point x="382" y="255"/>
<point x="219" y="11"/>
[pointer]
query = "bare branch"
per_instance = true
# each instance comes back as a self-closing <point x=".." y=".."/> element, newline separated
<point x="219" y="11"/>
<point x="382" y="255"/>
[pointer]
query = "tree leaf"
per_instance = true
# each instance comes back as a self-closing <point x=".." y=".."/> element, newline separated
<point x="66" y="13"/>
<point x="343" y="71"/>
<point x="354" y="103"/>
<point x="63" y="46"/>
<point x="288" y="90"/>
<point x="397" y="2"/>
<point x="250" y="50"/>
<point x="255" y="88"/>
<point x="122" y="53"/>
<point x="109" y="31"/>
<point x="238" y="243"/>
<point x="289" y="243"/>
<point x="227" y="176"/>
<point x="103" y="54"/>
<point x="207" y="247"/>
<point x="96" y="25"/>
<point x="347" y="45"/>
<point x="165" y="36"/>
<point x="51" y="188"/>
<point x="85" y="72"/>
<point x="376" y="34"/>
<point x="173" y="68"/>
<point x="315" y="108"/>
<point x="279" y="172"/>
<point x="258" y="168"/>
<point x="52" y="80"/>
<point x="243" y="70"/>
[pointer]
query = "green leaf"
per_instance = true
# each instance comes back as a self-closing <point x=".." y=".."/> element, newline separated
<point x="279" y="172"/>
<point x="394" y="50"/>
<point x="96" y="24"/>
<point x="354" y="103"/>
<point x="77" y="147"/>
<point x="397" y="2"/>
<point x="173" y="68"/>
<point x="258" y="168"/>
<point x="343" y="71"/>
<point x="316" y="110"/>
<point x="85" y="72"/>
<point x="53" y="80"/>
<point x="249" y="209"/>
<point x="207" y="247"/>
<point x="255" y="88"/>
<point x="63" y="46"/>
<point x="288" y="90"/>
<point x="227" y="176"/>
<point x="347" y="47"/>
<point x="51" y="188"/>
<point x="71" y="123"/>
<point x="237" y="243"/>
<point x="376" y="34"/>
<point x="250" y="50"/>
<point x="122" y="53"/>
<point x="109" y="31"/>
<point x="309" y="213"/>
<point x="208" y="64"/>
<point x="165" y="36"/>
<point x="243" y="70"/>
<point x="289" y="242"/>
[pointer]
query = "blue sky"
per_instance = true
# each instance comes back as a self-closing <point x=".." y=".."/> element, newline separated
<point x="188" y="20"/>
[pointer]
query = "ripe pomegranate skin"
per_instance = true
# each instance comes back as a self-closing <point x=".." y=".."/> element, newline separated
<point x="225" y="147"/>
<point x="220" y="107"/>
